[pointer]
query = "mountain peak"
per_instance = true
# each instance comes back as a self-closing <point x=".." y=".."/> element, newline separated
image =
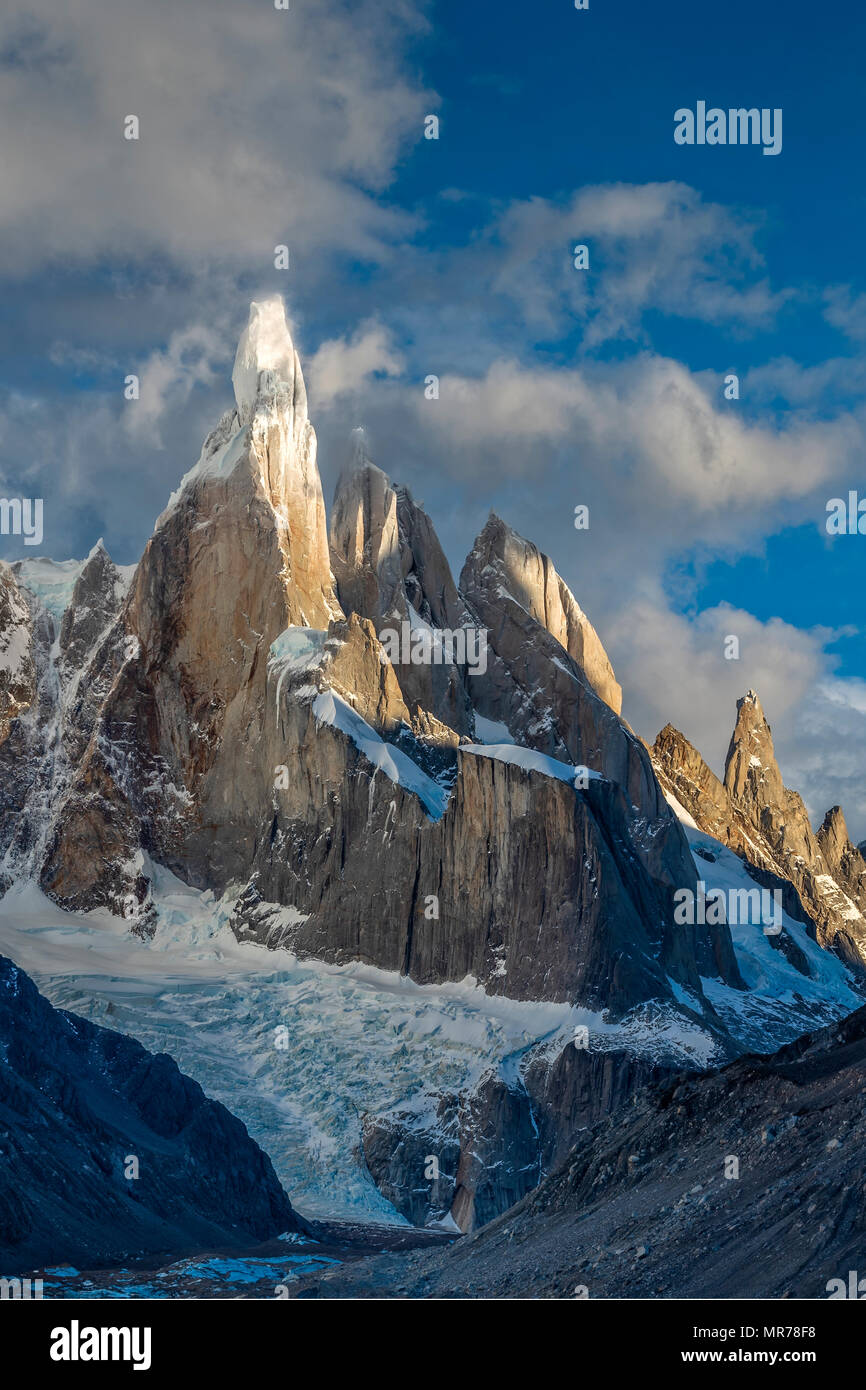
<point x="98" y="550"/>
<point x="527" y="576"/>
<point x="265" y="345"/>
<point x="360" y="447"/>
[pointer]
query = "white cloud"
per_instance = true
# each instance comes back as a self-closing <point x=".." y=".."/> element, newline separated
<point x="652" y="246"/>
<point x="257" y="127"/>
<point x="167" y="378"/>
<point x="343" y="366"/>
<point x="649" y="421"/>
<point x="846" y="311"/>
<point x="673" y="668"/>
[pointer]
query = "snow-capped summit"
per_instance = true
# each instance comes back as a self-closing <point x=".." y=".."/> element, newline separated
<point x="265" y="346"/>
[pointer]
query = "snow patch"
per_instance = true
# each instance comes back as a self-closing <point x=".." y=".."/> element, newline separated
<point x="492" y="731"/>
<point x="528" y="759"/>
<point x="329" y="708"/>
<point x="680" y="811"/>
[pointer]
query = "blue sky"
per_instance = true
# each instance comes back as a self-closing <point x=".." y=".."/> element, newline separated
<point x="452" y="257"/>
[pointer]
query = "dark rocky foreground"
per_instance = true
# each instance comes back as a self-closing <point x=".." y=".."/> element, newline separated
<point x="641" y="1208"/>
<point x="76" y="1102"/>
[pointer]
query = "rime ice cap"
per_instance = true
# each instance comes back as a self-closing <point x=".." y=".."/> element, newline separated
<point x="265" y="345"/>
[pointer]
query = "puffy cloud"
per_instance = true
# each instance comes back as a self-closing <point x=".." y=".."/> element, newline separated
<point x="341" y="366"/>
<point x="674" y="670"/>
<point x="258" y="126"/>
<point x="167" y="378"/>
<point x="649" y="422"/>
<point x="823" y="750"/>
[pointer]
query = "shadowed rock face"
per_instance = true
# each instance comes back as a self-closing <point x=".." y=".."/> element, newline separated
<point x="641" y="1206"/>
<point x="757" y="816"/>
<point x="497" y="1143"/>
<point x="484" y="1153"/>
<point x="391" y="569"/>
<point x="541" y="891"/>
<point x="76" y="1102"/>
<point x="96" y="598"/>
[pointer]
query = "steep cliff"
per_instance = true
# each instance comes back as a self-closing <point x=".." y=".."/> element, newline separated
<point x="109" y="1152"/>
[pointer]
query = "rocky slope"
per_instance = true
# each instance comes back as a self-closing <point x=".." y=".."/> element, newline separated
<point x="77" y="1104"/>
<point x="755" y="814"/>
<point x="747" y="1183"/>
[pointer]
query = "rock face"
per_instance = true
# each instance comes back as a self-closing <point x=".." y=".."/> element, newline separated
<point x="482" y="851"/>
<point x="641" y="1192"/>
<point x="253" y="730"/>
<point x="77" y="1102"/>
<point x="477" y="1157"/>
<point x="467" y="1158"/>
<point x="391" y="569"/>
<point x="524" y="577"/>
<point x="240" y="553"/>
<point x="757" y="816"/>
<point x="17" y="671"/>
<point x="380" y="765"/>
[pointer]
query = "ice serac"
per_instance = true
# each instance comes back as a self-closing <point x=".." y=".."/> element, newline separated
<point x="822" y="876"/>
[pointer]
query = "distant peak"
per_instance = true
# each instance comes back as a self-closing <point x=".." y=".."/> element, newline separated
<point x="751" y="703"/>
<point x="360" y="447"/>
<point x="265" y="345"/>
<point x="358" y="463"/>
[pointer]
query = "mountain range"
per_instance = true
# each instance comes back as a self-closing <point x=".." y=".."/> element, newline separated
<point x="234" y="710"/>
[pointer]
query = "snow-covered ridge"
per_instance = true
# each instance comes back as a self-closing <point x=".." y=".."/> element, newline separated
<point x="780" y="1002"/>
<point x="52" y="582"/>
<point x="530" y="761"/>
<point x="330" y="708"/>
